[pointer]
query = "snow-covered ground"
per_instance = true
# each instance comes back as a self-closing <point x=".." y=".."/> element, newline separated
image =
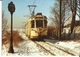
<point x="26" y="48"/>
<point x="29" y="48"/>
<point x="72" y="45"/>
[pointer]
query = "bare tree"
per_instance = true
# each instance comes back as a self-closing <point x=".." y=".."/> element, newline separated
<point x="78" y="8"/>
<point x="55" y="14"/>
<point x="75" y="9"/>
<point x="4" y="24"/>
<point x="65" y="13"/>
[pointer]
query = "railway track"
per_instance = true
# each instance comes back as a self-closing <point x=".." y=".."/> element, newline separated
<point x="55" y="50"/>
<point x="46" y="50"/>
<point x="67" y="50"/>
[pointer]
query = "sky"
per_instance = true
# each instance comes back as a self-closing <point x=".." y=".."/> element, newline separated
<point x="22" y="12"/>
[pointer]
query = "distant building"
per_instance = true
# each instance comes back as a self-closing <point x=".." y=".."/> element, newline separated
<point x="66" y="29"/>
<point x="77" y="23"/>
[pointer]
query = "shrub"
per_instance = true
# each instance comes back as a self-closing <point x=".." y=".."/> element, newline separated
<point x="16" y="38"/>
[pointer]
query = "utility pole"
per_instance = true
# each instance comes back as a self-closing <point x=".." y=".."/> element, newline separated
<point x="60" y="21"/>
<point x="32" y="12"/>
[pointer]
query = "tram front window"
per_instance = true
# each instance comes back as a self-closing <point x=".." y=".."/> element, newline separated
<point x="39" y="23"/>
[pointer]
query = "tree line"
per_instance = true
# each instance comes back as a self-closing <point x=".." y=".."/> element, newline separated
<point x="69" y="10"/>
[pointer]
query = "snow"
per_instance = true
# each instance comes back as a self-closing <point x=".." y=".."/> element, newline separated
<point x="32" y="49"/>
<point x="29" y="48"/>
<point x="71" y="45"/>
<point x="52" y="49"/>
<point x="26" y="48"/>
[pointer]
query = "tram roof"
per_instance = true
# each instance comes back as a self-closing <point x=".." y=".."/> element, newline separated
<point x="38" y="15"/>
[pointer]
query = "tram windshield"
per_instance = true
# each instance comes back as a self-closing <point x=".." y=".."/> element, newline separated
<point x="39" y="23"/>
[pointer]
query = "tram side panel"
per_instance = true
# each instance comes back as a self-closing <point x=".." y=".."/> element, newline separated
<point x="28" y="29"/>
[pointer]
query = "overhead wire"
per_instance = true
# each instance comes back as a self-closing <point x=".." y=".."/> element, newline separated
<point x="40" y="7"/>
<point x="30" y="9"/>
<point x="43" y="3"/>
<point x="34" y="2"/>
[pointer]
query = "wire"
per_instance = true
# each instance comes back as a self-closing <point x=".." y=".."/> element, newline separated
<point x="34" y="2"/>
<point x="44" y="1"/>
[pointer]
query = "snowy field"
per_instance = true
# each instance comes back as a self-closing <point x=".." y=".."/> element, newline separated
<point x="72" y="45"/>
<point x="29" y="48"/>
<point x="75" y="46"/>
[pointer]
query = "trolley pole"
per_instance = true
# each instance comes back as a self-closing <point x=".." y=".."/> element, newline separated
<point x="11" y="8"/>
<point x="60" y="21"/>
<point x="32" y="12"/>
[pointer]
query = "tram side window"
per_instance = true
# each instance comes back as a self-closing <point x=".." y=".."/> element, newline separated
<point x="32" y="24"/>
<point x="45" y="23"/>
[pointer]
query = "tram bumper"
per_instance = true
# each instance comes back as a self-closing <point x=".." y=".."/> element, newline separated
<point x="38" y="34"/>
